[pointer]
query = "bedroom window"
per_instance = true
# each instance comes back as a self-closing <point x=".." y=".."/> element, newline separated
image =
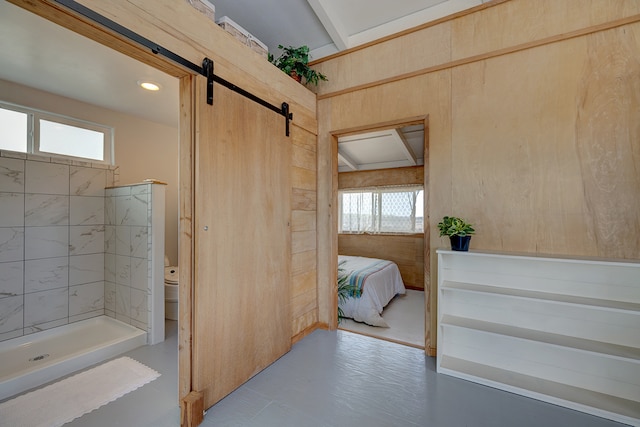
<point x="394" y="209"/>
<point x="27" y="130"/>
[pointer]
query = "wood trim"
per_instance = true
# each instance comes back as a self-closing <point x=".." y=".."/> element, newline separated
<point x="431" y="351"/>
<point x="306" y="331"/>
<point x="409" y="175"/>
<point x="409" y="31"/>
<point x="324" y="326"/>
<point x="192" y="409"/>
<point x="186" y="231"/>
<point x="487" y="55"/>
<point x="428" y="326"/>
<point x="391" y="124"/>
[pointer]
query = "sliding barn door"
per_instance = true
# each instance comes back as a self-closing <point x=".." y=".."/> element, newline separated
<point x="241" y="304"/>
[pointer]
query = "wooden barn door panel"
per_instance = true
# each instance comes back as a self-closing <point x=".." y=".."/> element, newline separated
<point x="242" y="320"/>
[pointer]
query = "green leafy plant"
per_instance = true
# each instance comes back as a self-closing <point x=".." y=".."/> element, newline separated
<point x="295" y="62"/>
<point x="345" y="289"/>
<point x="453" y="226"/>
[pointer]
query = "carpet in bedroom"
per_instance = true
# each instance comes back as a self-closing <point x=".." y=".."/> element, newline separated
<point x="405" y="316"/>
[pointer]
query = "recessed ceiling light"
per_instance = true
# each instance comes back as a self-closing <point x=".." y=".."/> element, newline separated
<point x="148" y="85"/>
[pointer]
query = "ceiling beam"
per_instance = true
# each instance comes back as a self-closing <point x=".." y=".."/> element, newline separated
<point x="331" y="23"/>
<point x="401" y="141"/>
<point x="347" y="160"/>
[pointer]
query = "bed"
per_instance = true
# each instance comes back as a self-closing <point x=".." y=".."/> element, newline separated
<point x="380" y="281"/>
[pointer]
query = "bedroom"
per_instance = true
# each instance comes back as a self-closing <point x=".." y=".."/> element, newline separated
<point x="381" y="216"/>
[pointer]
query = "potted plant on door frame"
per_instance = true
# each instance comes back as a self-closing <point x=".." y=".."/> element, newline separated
<point x="458" y="230"/>
<point x="295" y="62"/>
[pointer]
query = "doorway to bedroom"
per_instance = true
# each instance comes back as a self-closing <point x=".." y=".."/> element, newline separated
<point x="382" y="230"/>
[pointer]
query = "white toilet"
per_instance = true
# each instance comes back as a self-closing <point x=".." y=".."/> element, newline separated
<point x="170" y="291"/>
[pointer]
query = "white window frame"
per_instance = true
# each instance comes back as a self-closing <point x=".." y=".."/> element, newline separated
<point x="33" y="129"/>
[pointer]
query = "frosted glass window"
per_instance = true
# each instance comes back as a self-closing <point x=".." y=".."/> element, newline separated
<point x="14" y="130"/>
<point x="58" y="138"/>
<point x="27" y="130"/>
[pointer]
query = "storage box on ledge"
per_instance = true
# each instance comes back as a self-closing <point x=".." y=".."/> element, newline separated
<point x="205" y="7"/>
<point x="243" y="36"/>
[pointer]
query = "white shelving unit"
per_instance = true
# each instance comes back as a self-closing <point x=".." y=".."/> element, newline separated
<point x="561" y="330"/>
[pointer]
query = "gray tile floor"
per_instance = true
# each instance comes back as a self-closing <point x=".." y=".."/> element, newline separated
<point x="336" y="379"/>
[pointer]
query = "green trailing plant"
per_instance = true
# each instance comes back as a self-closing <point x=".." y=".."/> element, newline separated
<point x="453" y="226"/>
<point x="345" y="289"/>
<point x="295" y="62"/>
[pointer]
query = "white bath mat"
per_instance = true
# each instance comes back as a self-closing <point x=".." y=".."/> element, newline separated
<point x="79" y="394"/>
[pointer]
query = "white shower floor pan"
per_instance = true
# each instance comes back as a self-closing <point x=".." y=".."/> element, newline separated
<point x="33" y="360"/>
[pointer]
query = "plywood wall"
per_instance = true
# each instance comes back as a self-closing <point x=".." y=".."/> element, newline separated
<point x="407" y="251"/>
<point x="304" y="297"/>
<point x="372" y="178"/>
<point x="534" y="115"/>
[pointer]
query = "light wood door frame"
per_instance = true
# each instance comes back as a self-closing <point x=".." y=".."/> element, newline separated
<point x="423" y="120"/>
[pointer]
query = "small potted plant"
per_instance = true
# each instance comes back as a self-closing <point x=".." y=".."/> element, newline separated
<point x="458" y="230"/>
<point x="295" y="62"/>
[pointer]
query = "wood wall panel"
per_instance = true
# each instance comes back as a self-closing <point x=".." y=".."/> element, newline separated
<point x="309" y="318"/>
<point x="395" y="176"/>
<point x="304" y="303"/>
<point x="304" y="200"/>
<point x="427" y="47"/>
<point x="406" y="251"/>
<point x="534" y="145"/>
<point x="303" y="157"/>
<point x="304" y="140"/>
<point x="304" y="297"/>
<point x="303" y="262"/>
<point x="303" y="179"/>
<point x="520" y="22"/>
<point x="303" y="221"/>
<point x="303" y="241"/>
<point x="480" y="31"/>
<point x="305" y="282"/>
<point x="608" y="140"/>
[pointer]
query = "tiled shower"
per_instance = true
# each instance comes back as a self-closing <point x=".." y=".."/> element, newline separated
<point x="71" y="250"/>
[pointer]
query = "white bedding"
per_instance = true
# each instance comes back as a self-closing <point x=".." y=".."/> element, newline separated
<point x="379" y="288"/>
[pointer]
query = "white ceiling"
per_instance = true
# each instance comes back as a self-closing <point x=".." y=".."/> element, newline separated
<point x="37" y="53"/>
<point x="330" y="26"/>
<point x="382" y="149"/>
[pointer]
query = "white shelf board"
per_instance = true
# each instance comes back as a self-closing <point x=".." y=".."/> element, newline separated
<point x="599" y="404"/>
<point x="542" y="296"/>
<point x="542" y="257"/>
<point x="630" y="354"/>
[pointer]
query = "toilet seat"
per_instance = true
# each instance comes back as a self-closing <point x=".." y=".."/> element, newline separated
<point x="171" y="275"/>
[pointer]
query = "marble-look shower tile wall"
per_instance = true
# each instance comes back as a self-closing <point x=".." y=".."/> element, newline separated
<point x="52" y="240"/>
<point x="128" y="243"/>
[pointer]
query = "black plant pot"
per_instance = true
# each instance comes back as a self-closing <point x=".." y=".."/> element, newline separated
<point x="459" y="243"/>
